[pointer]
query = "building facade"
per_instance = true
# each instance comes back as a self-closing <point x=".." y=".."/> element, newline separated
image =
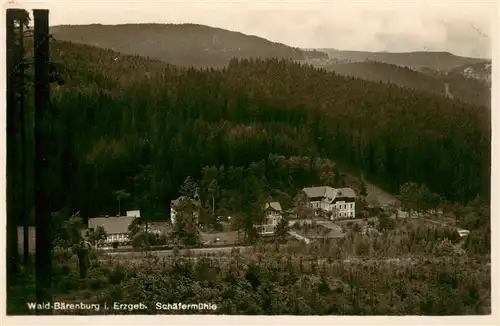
<point x="336" y="203"/>
<point x="273" y="215"/>
<point x="116" y="228"/>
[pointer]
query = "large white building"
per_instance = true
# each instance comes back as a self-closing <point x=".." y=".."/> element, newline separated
<point x="338" y="203"/>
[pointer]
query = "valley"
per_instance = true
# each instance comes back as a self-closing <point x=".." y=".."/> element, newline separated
<point x="174" y="145"/>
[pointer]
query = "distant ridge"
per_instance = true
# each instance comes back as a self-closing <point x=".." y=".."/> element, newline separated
<point x="437" y="60"/>
<point x="179" y="44"/>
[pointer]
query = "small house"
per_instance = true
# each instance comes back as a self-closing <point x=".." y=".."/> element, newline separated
<point x="273" y="215"/>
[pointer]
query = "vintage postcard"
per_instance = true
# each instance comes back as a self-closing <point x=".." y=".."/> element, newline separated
<point x="237" y="162"/>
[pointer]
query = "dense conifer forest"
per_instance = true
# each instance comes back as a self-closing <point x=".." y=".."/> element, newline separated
<point x="147" y="131"/>
<point x="441" y="61"/>
<point x="453" y="84"/>
<point x="123" y="118"/>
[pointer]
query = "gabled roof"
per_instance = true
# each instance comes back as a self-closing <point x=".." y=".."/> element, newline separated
<point x="328" y="193"/>
<point x="346" y="193"/>
<point x="273" y="205"/>
<point x="112" y="225"/>
<point x="313" y="192"/>
<point x="181" y="198"/>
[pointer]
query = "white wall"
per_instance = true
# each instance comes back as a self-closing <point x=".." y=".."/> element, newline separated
<point x="134" y="213"/>
<point x="120" y="237"/>
<point x="341" y="208"/>
<point x="172" y="215"/>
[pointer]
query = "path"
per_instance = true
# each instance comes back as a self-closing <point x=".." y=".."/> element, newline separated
<point x="181" y="251"/>
<point x="447" y="90"/>
<point x="299" y="237"/>
<point x="327" y="224"/>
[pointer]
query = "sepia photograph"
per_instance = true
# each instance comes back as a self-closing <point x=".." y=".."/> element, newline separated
<point x="268" y="158"/>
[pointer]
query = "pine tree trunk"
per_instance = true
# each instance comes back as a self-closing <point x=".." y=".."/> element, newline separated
<point x="83" y="262"/>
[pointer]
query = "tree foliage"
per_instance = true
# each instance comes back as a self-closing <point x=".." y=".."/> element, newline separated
<point x="185" y="229"/>
<point x="133" y="113"/>
<point x="282" y="229"/>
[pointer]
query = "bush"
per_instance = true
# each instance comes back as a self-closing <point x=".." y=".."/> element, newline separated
<point x="97" y="283"/>
<point x="115" y="244"/>
<point x="68" y="284"/>
<point x="282" y="283"/>
<point x="65" y="270"/>
<point x="117" y="275"/>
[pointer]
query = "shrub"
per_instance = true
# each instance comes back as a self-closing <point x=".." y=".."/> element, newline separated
<point x="97" y="283"/>
<point x="65" y="270"/>
<point x="117" y="275"/>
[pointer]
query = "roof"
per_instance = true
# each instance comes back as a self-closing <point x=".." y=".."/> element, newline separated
<point x="273" y="205"/>
<point x="346" y="192"/>
<point x="329" y="193"/>
<point x="181" y="198"/>
<point x="112" y="225"/>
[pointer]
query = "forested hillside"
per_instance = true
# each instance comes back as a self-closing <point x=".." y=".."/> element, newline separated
<point x="469" y="90"/>
<point x="179" y="44"/>
<point x="130" y="123"/>
<point x="442" y="61"/>
<point x="479" y="70"/>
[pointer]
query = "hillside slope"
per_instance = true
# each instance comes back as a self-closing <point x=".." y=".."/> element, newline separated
<point x="479" y="70"/>
<point x="441" y="61"/>
<point x="179" y="44"/>
<point x="126" y="122"/>
<point x="451" y="84"/>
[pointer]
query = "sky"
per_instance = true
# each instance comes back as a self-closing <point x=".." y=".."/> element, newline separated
<point x="460" y="27"/>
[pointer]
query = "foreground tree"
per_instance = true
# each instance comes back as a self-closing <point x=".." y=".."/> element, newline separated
<point x="282" y="229"/>
<point x="120" y="195"/>
<point x="98" y="236"/>
<point x="302" y="206"/>
<point x="409" y="197"/>
<point x="213" y="190"/>
<point x="185" y="229"/>
<point x="189" y="188"/>
<point x="77" y="243"/>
